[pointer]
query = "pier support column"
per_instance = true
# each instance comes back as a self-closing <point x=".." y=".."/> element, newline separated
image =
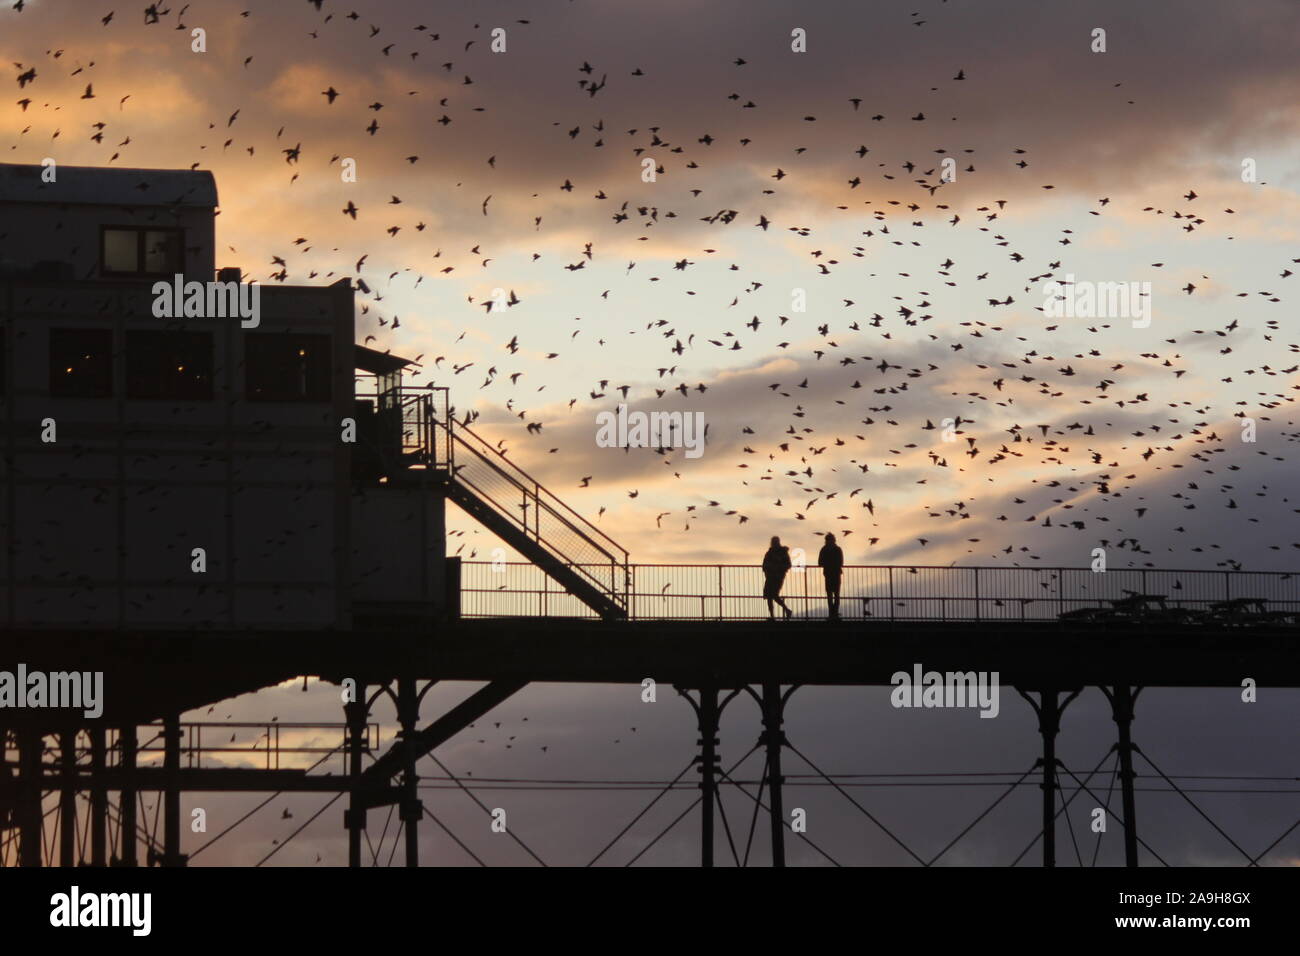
<point x="1049" y="724"/>
<point x="708" y="743"/>
<point x="354" y="818"/>
<point x="172" y="855"/>
<point x="98" y="799"/>
<point x="8" y="791"/>
<point x="1049" y="708"/>
<point x="412" y="810"/>
<point x="774" y="739"/>
<point x="1122" y="700"/>
<point x="68" y="797"/>
<point x="28" y="798"/>
<point x="128" y="802"/>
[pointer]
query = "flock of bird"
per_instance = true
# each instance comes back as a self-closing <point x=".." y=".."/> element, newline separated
<point x="1068" y="410"/>
<point x="1062" y="435"/>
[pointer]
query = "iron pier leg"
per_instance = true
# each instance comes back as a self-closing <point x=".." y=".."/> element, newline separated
<point x="98" y="799"/>
<point x="8" y="791"/>
<point x="774" y="738"/>
<point x="29" y="811"/>
<point x="1122" y="710"/>
<point x="68" y="797"/>
<point x="172" y="855"/>
<point x="408" y="705"/>
<point x="128" y="803"/>
<point x="1049" y="724"/>
<point x="708" y="767"/>
<point x="354" y="819"/>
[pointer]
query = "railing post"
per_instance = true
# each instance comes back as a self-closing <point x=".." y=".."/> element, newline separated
<point x="446" y="427"/>
<point x="977" y="593"/>
<point x="890" y="569"/>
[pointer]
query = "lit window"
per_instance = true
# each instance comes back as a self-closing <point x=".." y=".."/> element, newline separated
<point x="121" y="251"/>
<point x="81" y="363"/>
<point x="169" y="365"/>
<point x="134" y="251"/>
<point x="287" y="367"/>
<point x="163" y="254"/>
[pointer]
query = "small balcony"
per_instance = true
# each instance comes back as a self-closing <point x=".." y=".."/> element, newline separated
<point x="402" y="430"/>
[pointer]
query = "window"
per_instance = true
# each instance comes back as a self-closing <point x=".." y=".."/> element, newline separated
<point x="136" y="251"/>
<point x="388" y="388"/>
<point x="169" y="365"/>
<point x="81" y="363"/>
<point x="287" y="367"/>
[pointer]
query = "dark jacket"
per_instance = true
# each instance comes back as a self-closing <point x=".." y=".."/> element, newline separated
<point x="776" y="562"/>
<point x="831" y="559"/>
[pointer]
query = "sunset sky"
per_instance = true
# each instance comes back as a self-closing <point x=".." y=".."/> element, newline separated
<point x="1170" y="159"/>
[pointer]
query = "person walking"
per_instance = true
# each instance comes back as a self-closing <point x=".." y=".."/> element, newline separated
<point x="831" y="559"/>
<point x="776" y="562"/>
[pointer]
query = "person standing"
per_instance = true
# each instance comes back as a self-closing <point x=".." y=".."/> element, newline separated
<point x="831" y="559"/>
<point x="776" y="562"/>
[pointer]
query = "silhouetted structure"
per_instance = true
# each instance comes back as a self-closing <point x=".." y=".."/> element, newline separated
<point x="199" y="510"/>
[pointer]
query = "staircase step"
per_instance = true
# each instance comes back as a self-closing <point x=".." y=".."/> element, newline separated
<point x="562" y="573"/>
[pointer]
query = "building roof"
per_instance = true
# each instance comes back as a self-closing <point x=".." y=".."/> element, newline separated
<point x="114" y="187"/>
<point x="379" y="363"/>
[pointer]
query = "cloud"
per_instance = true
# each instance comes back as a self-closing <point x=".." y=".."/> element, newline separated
<point x="1208" y="88"/>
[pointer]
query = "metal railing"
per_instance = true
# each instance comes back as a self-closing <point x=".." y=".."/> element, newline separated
<point x="412" y="421"/>
<point x="416" y="425"/>
<point x="264" y="742"/>
<point x="901" y="593"/>
<point x="539" y="514"/>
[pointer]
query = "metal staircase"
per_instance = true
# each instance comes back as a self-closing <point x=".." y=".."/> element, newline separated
<point x="510" y="503"/>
